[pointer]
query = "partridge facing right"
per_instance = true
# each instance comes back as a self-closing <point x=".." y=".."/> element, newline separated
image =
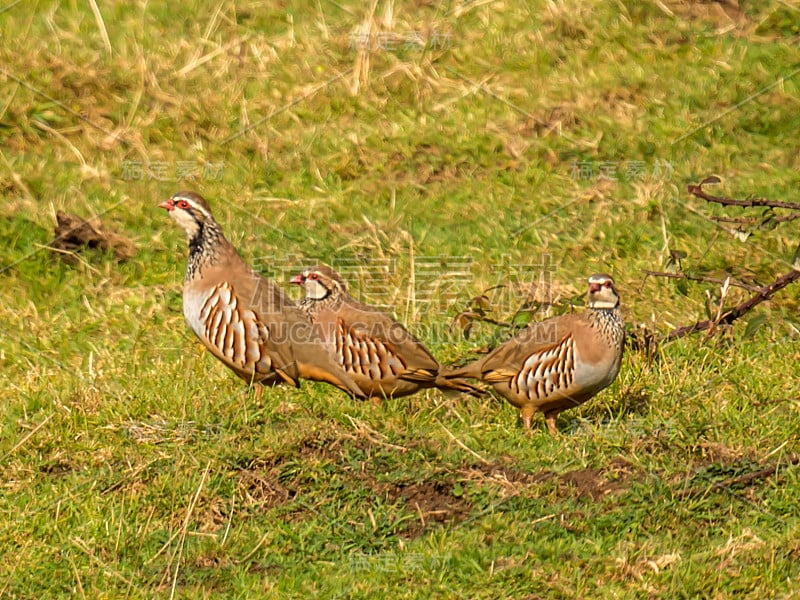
<point x="558" y="363"/>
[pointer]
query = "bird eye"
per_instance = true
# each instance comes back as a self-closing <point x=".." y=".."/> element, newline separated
<point x="182" y="204"/>
<point x="313" y="276"/>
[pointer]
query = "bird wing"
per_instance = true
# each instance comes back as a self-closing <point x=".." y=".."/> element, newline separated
<point x="248" y="335"/>
<point x="295" y="335"/>
<point x="370" y="342"/>
<point x="534" y="354"/>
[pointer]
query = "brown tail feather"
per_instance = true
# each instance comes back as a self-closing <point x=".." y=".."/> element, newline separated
<point x="470" y="371"/>
<point x="455" y="379"/>
<point x="460" y="384"/>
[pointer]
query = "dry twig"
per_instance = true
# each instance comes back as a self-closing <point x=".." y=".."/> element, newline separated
<point x="762" y="293"/>
<point x="697" y="190"/>
<point x="739" y="480"/>
<point x="729" y="316"/>
<point x="702" y="278"/>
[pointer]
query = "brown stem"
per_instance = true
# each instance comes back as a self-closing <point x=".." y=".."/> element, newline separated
<point x="697" y="190"/>
<point x="737" y="220"/>
<point x="762" y="294"/>
<point x="739" y="284"/>
<point x="755" y="220"/>
<point x="489" y="320"/>
<point x="787" y="218"/>
<point x="741" y="479"/>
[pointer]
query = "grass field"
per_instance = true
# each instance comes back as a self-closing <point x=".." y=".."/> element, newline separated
<point x="430" y="150"/>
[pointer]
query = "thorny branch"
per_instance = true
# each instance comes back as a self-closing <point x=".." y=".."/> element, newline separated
<point x="477" y="307"/>
<point x="703" y="278"/>
<point x="761" y="294"/>
<point x="697" y="190"/>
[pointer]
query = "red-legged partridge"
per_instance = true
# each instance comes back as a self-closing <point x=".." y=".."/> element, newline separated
<point x="378" y="353"/>
<point x="561" y="362"/>
<point x="245" y="320"/>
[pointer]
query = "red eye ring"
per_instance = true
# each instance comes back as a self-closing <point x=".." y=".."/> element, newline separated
<point x="182" y="204"/>
<point x="313" y="276"/>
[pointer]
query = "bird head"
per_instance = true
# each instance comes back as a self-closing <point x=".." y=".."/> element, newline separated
<point x="320" y="282"/>
<point x="602" y="293"/>
<point x="190" y="211"/>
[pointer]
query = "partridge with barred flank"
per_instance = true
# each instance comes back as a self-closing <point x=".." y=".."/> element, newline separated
<point x="561" y="362"/>
<point x="243" y="319"/>
<point x="378" y="353"/>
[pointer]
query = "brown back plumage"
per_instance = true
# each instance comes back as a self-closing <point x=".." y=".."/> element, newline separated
<point x="375" y="350"/>
<point x="558" y="363"/>
<point x="243" y="319"/>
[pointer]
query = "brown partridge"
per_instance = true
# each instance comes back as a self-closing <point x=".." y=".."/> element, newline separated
<point x="245" y="320"/>
<point x="378" y="353"/>
<point x="560" y="362"/>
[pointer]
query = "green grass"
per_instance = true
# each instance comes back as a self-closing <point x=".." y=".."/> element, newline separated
<point x="132" y="463"/>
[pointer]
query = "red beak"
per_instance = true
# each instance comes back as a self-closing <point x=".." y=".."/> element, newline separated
<point x="298" y="279"/>
<point x="167" y="205"/>
<point x="594" y="287"/>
